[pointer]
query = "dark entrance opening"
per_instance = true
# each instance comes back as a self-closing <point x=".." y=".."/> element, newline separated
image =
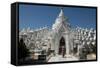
<point x="75" y="48"/>
<point x="62" y="47"/>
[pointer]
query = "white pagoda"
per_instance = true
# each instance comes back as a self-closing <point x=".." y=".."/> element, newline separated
<point x="61" y="39"/>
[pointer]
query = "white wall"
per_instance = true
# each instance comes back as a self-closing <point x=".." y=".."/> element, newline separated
<point x="5" y="33"/>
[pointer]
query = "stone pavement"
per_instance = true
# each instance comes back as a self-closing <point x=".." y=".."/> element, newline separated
<point x="59" y="58"/>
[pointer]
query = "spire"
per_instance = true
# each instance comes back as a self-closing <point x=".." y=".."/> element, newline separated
<point x="61" y="20"/>
<point x="61" y="12"/>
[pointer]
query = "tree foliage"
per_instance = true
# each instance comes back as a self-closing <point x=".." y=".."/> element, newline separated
<point x="22" y="50"/>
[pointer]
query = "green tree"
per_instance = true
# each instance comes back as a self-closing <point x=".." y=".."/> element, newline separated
<point x="22" y="50"/>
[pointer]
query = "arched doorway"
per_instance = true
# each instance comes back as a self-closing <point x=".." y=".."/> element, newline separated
<point x="62" y="47"/>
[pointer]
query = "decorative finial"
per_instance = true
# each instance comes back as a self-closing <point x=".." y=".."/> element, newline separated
<point x="61" y="12"/>
<point x="61" y="8"/>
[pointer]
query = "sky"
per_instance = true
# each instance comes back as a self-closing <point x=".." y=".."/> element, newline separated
<point x="36" y="16"/>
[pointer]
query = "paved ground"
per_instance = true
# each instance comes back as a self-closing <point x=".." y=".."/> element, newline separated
<point x="59" y="58"/>
<point x="91" y="56"/>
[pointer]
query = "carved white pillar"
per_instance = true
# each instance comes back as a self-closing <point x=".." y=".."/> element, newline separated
<point x="67" y="44"/>
<point x="56" y="46"/>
